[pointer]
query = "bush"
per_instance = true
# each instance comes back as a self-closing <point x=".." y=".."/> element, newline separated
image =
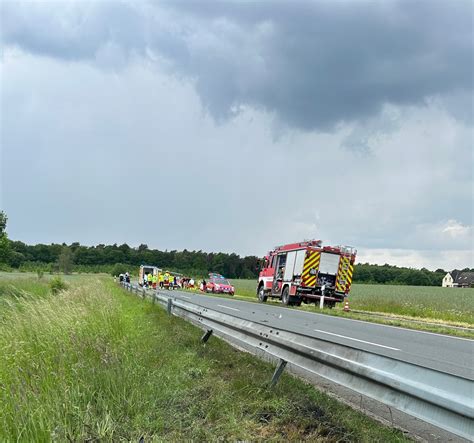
<point x="57" y="284"/>
<point x="5" y="268"/>
<point x="119" y="268"/>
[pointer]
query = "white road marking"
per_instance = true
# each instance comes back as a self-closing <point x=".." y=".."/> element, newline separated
<point x="185" y="296"/>
<point x="356" y="339"/>
<point x="228" y="307"/>
<point x="394" y="327"/>
<point x="381" y="325"/>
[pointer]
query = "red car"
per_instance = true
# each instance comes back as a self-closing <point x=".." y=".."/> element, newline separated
<point x="219" y="285"/>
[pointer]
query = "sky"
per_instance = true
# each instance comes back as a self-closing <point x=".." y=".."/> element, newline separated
<point x="237" y="126"/>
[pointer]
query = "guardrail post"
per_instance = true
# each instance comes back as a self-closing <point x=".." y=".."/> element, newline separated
<point x="153" y="297"/>
<point x="278" y="371"/>
<point x="206" y="336"/>
<point x="143" y="294"/>
<point x="169" y="306"/>
<point x="321" y="302"/>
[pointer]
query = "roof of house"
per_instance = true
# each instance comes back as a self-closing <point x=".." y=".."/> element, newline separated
<point x="465" y="278"/>
<point x="455" y="274"/>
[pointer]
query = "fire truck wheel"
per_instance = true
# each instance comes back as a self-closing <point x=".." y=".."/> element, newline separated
<point x="262" y="298"/>
<point x="296" y="301"/>
<point x="285" y="296"/>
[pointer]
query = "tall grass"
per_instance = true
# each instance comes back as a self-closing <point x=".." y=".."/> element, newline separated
<point x="96" y="364"/>
<point x="451" y="304"/>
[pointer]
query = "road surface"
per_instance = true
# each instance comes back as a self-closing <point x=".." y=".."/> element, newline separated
<point x="448" y="354"/>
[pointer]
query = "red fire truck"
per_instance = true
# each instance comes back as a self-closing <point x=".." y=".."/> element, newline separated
<point x="305" y="271"/>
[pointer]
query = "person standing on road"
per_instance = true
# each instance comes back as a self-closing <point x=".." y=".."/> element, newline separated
<point x="154" y="279"/>
<point x="161" y="279"/>
<point x="145" y="280"/>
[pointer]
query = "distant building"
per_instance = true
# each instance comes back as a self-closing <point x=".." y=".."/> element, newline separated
<point x="465" y="280"/>
<point x="458" y="279"/>
<point x="448" y="281"/>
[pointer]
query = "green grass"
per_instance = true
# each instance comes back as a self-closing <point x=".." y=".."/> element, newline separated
<point x="245" y="288"/>
<point x="95" y="363"/>
<point x="430" y="302"/>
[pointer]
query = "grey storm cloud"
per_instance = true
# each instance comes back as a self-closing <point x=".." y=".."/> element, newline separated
<point x="311" y="64"/>
<point x="361" y="111"/>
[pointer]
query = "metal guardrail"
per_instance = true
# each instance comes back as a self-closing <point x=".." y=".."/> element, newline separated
<point x="439" y="398"/>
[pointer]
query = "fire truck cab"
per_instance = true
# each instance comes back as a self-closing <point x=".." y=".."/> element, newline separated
<point x="306" y="271"/>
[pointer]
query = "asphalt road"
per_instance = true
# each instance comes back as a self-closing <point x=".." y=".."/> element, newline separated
<point x="441" y="352"/>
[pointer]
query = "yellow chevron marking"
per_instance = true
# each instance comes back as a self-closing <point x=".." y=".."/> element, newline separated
<point x="351" y="271"/>
<point x="343" y="276"/>
<point x="311" y="260"/>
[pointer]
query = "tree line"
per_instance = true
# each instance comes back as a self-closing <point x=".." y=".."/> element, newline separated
<point x="110" y="258"/>
<point x="103" y="258"/>
<point x="394" y="275"/>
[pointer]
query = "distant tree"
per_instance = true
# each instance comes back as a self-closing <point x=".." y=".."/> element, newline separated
<point x="74" y="246"/>
<point x="4" y="242"/>
<point x="119" y="268"/>
<point x="65" y="260"/>
<point x="15" y="259"/>
<point x="3" y="223"/>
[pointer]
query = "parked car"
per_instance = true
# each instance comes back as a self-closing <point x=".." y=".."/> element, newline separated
<point x="219" y="285"/>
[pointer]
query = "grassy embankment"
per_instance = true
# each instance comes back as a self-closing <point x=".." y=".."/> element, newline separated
<point x="95" y="363"/>
<point x="431" y="307"/>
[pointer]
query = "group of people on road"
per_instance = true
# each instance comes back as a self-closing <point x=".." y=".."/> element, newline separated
<point x="165" y="280"/>
<point x="150" y="280"/>
<point x="162" y="280"/>
<point x="187" y="283"/>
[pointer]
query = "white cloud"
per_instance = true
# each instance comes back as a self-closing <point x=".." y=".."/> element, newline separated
<point x="456" y="230"/>
<point x="432" y="260"/>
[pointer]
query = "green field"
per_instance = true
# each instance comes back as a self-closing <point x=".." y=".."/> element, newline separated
<point x="427" y="302"/>
<point x="95" y="363"/>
